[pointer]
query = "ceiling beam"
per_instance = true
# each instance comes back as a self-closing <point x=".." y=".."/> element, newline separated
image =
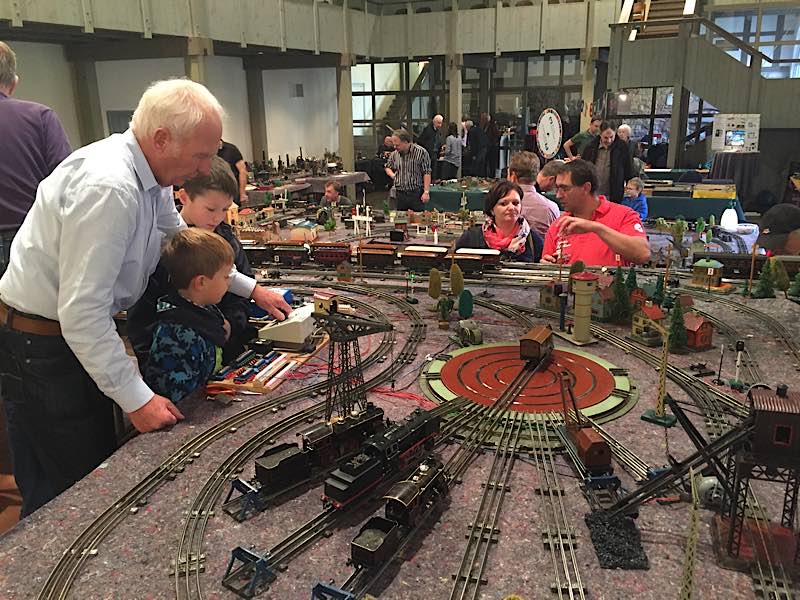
<point x="129" y="49"/>
<point x="288" y="61"/>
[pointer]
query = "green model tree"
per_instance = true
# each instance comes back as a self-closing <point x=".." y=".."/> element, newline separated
<point x="766" y="285"/>
<point x="330" y="225"/>
<point x="456" y="280"/>
<point x="658" y="294"/>
<point x="466" y="304"/>
<point x="435" y="284"/>
<point x="621" y="304"/>
<point x="630" y="282"/>
<point x="712" y="221"/>
<point x="779" y="275"/>
<point x="677" y="229"/>
<point x="794" y="289"/>
<point x="677" y="329"/>
<point x="386" y="209"/>
<point x="443" y="307"/>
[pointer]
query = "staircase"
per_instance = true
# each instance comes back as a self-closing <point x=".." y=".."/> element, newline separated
<point x="659" y="10"/>
<point x="396" y="115"/>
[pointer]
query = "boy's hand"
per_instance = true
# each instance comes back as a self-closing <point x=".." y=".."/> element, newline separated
<point x="271" y="302"/>
<point x="227" y="327"/>
<point x="158" y="413"/>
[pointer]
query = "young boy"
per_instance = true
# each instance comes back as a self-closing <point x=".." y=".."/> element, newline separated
<point x="190" y="330"/>
<point x="635" y="198"/>
<point x="205" y="200"/>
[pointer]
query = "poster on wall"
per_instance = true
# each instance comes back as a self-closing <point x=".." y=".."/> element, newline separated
<point x="735" y="133"/>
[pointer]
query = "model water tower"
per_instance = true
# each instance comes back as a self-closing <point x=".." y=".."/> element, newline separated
<point x="584" y="285"/>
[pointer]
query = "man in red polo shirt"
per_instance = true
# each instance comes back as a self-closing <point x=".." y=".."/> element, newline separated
<point x="592" y="229"/>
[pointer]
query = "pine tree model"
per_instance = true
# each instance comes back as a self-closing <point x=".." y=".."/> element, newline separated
<point x="677" y="329"/>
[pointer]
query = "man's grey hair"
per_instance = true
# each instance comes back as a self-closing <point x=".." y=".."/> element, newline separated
<point x="403" y="135"/>
<point x="178" y="105"/>
<point x="469" y="124"/>
<point x="8" y="66"/>
<point x="626" y="128"/>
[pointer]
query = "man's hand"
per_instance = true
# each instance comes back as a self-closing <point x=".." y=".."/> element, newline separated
<point x="227" y="327"/>
<point x="158" y="413"/>
<point x="569" y="225"/>
<point x="243" y="197"/>
<point x="271" y="302"/>
<point x="425" y="197"/>
<point x="548" y="258"/>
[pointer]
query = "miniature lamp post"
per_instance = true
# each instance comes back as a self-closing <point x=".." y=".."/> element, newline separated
<point x="737" y="384"/>
<point x="658" y="415"/>
<point x="435" y="234"/>
<point x="718" y="380"/>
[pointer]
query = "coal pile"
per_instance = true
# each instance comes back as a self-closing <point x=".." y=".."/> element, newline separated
<point x="616" y="541"/>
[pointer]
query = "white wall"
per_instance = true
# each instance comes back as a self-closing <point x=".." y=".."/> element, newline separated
<point x="226" y="80"/>
<point x="310" y="122"/>
<point x="121" y="82"/>
<point x="45" y="76"/>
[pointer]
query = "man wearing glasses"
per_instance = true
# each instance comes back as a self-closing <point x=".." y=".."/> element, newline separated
<point x="592" y="229"/>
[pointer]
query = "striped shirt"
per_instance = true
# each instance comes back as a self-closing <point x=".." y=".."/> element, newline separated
<point x="409" y="168"/>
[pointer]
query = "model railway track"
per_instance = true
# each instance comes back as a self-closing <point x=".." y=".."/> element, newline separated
<point x="483" y="530"/>
<point x="770" y="580"/>
<point x="750" y="366"/>
<point x="782" y="334"/>
<point x="189" y="554"/>
<point x="85" y="545"/>
<point x="558" y="535"/>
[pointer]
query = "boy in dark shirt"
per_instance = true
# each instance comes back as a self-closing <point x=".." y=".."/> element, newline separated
<point x="205" y="200"/>
<point x="190" y="330"/>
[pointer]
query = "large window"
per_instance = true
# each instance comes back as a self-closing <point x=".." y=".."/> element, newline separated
<point x="773" y="31"/>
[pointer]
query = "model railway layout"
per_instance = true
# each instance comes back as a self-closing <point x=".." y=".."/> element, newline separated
<point x="410" y="467"/>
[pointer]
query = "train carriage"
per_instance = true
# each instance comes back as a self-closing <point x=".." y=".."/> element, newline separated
<point x="423" y="258"/>
<point x="331" y="253"/>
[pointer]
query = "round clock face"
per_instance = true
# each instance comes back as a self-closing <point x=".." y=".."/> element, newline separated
<point x="548" y="133"/>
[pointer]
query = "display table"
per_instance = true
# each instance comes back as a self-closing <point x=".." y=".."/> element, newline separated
<point x="675" y="174"/>
<point x="448" y="199"/>
<point x="318" y="183"/>
<point x="690" y="209"/>
<point x="259" y="197"/>
<point x="739" y="167"/>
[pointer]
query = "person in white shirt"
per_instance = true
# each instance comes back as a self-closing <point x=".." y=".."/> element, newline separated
<point x="84" y="252"/>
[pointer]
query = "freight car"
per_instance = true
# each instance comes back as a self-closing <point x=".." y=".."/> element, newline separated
<point x="381" y="455"/>
<point x="330" y="253"/>
<point x="377" y="256"/>
<point x="423" y="258"/>
<point x="290" y="253"/>
<point x="536" y="345"/>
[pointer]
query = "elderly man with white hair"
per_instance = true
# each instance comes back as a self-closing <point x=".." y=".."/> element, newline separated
<point x="84" y="252"/>
<point x="432" y="140"/>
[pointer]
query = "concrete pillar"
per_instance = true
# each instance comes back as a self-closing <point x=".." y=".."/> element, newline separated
<point x="256" y="108"/>
<point x="87" y="96"/>
<point x="677" y="129"/>
<point x="587" y="85"/>
<point x="195" y="60"/>
<point x="755" y="84"/>
<point x="344" y="93"/>
<point x="680" y="100"/>
<point x="454" y="64"/>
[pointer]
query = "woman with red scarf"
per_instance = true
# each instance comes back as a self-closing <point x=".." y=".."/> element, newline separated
<point x="504" y="228"/>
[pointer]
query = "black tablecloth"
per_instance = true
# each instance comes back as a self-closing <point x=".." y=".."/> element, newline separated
<point x="739" y="167"/>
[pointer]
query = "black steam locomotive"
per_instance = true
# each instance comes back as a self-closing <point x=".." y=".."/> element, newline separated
<point x="285" y="466"/>
<point x="382" y="454"/>
<point x="406" y="503"/>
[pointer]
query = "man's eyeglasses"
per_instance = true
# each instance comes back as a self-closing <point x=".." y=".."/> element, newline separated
<point x="564" y="188"/>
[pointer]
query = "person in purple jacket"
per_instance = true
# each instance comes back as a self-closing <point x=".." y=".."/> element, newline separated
<point x="32" y="144"/>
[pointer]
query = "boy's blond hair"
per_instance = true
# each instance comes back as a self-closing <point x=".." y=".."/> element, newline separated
<point x="194" y="251"/>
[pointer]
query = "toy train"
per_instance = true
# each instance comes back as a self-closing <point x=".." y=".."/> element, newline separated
<point x="406" y="504"/>
<point x="737" y="266"/>
<point x="382" y="455"/>
<point x="536" y="345"/>
<point x="377" y="256"/>
<point x="285" y="466"/>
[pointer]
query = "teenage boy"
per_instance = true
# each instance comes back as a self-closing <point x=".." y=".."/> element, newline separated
<point x="205" y="200"/>
<point x="190" y="330"/>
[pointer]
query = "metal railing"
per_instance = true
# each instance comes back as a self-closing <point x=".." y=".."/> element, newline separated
<point x="696" y="23"/>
